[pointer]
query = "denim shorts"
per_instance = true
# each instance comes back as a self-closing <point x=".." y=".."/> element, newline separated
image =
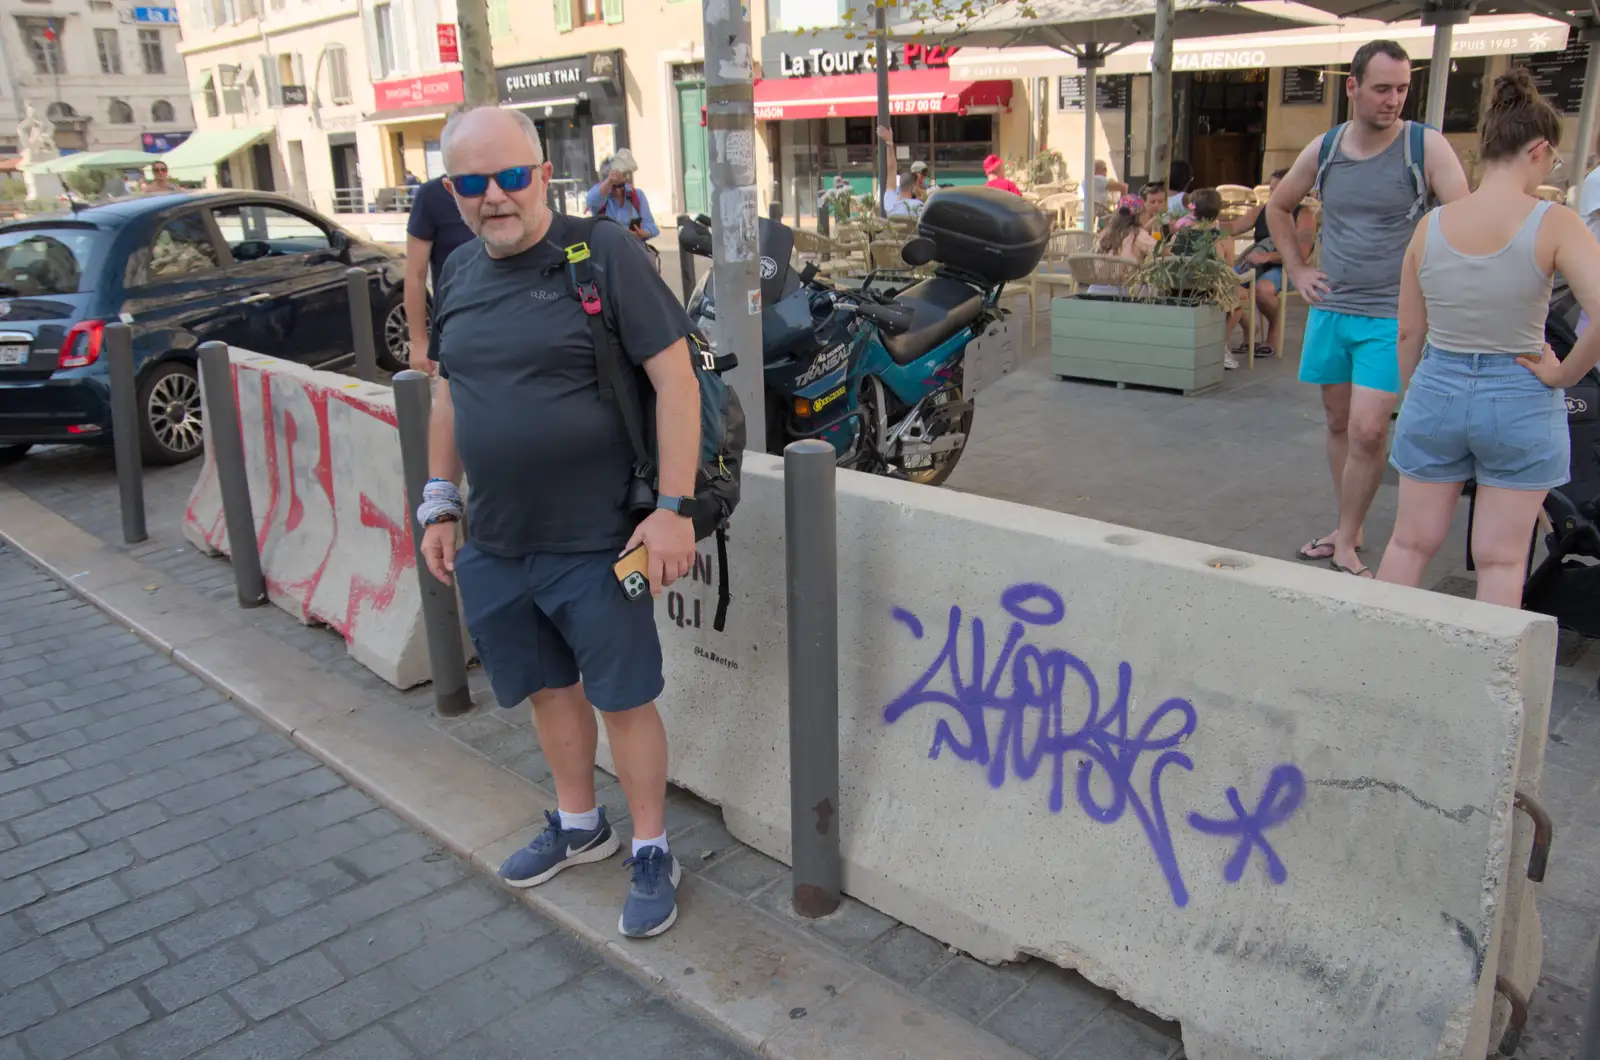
<point x="547" y="620"/>
<point x="1481" y="416"/>
<point x="1346" y="348"/>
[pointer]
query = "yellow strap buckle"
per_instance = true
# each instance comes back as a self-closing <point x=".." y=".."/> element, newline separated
<point x="577" y="252"/>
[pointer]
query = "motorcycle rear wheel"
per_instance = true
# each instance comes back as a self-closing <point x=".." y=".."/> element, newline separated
<point x="940" y="465"/>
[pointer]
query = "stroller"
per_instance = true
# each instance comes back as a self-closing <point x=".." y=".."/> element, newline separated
<point x="1566" y="583"/>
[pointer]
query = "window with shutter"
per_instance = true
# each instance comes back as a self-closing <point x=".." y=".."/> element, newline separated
<point x="270" y="82"/>
<point x="563" y="16"/>
<point x="500" y="19"/>
<point x="338" y="74"/>
<point x="613" y="10"/>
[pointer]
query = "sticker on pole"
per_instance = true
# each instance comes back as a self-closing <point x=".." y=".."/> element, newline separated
<point x="989" y="358"/>
<point x="755" y="302"/>
<point x="737" y="223"/>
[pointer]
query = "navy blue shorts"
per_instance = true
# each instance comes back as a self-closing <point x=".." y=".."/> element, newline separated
<point x="547" y="620"/>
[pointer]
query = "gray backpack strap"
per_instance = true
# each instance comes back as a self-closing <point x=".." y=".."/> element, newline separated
<point x="1327" y="153"/>
<point x="1416" y="159"/>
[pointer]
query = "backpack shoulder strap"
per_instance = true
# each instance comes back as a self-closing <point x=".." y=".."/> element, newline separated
<point x="1326" y="153"/>
<point x="610" y="369"/>
<point x="1416" y="159"/>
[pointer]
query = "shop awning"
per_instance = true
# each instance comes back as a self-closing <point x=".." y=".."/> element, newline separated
<point x="115" y="159"/>
<point x="856" y="95"/>
<point x="404" y="117"/>
<point x="1311" y="46"/>
<point x="199" y="155"/>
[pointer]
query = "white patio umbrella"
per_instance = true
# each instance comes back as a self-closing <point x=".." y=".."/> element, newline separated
<point x="1090" y="30"/>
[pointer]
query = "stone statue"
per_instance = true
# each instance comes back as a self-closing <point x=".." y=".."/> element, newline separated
<point x="36" y="136"/>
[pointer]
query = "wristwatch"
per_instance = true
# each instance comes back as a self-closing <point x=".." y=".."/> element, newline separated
<point x="676" y="505"/>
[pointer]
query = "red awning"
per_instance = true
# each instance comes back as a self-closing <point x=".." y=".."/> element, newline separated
<point x="856" y="95"/>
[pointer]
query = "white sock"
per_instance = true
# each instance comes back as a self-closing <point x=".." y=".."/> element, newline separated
<point x="658" y="841"/>
<point x="582" y="822"/>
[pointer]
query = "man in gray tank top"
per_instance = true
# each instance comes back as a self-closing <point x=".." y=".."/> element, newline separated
<point x="1374" y="190"/>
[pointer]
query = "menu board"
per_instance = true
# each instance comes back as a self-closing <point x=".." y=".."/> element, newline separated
<point x="1304" y="86"/>
<point x="1110" y="92"/>
<point x="1559" y="75"/>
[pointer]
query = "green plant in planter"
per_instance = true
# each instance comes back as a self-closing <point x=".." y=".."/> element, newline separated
<point x="1194" y="278"/>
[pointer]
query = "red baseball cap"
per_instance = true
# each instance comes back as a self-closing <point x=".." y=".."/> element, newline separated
<point x="992" y="163"/>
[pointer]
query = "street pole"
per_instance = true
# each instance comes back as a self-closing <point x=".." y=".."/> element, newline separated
<point x="441" y="622"/>
<point x="886" y="165"/>
<point x="811" y="531"/>
<point x="227" y="450"/>
<point x="125" y="430"/>
<point x="359" y="296"/>
<point x="735" y="210"/>
<point x="477" y="58"/>
<point x="1588" y="111"/>
<point x="1160" y="95"/>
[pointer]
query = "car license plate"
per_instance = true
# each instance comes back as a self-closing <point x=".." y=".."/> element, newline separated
<point x="13" y="353"/>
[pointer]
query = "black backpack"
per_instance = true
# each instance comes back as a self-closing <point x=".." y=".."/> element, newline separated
<point x="722" y="427"/>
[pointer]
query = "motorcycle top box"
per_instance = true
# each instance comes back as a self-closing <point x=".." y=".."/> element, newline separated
<point x="985" y="233"/>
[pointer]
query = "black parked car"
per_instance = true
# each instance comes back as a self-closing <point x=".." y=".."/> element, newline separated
<point x="251" y="269"/>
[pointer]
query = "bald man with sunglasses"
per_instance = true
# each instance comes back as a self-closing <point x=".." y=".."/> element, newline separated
<point x="518" y="408"/>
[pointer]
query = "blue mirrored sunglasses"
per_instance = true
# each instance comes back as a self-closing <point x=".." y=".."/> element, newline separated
<point x="475" y="185"/>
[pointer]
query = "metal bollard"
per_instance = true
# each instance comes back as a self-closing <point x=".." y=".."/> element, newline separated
<point x="686" y="277"/>
<point x="1590" y="1048"/>
<point x="360" y="295"/>
<point x="413" y="405"/>
<point x="811" y="534"/>
<point x="227" y="449"/>
<point x="775" y="212"/>
<point x="126" y="430"/>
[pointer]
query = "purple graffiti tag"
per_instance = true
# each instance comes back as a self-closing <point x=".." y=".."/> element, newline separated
<point x="1032" y="729"/>
<point x="1279" y="800"/>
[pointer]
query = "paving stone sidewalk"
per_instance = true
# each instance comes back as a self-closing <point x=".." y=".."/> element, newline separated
<point x="176" y="881"/>
<point x="1240" y="467"/>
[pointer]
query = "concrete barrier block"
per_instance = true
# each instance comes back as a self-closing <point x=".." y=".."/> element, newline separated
<point x="1268" y="801"/>
<point x="323" y="459"/>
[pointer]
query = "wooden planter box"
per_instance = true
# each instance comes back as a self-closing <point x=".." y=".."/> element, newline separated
<point x="1174" y="347"/>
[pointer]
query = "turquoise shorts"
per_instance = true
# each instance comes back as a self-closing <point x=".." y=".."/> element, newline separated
<point x="1345" y="348"/>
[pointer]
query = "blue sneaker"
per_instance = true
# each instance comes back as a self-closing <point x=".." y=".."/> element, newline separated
<point x="652" y="903"/>
<point x="557" y="848"/>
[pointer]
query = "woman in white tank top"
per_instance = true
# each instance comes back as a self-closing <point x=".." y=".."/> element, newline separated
<point x="1485" y="402"/>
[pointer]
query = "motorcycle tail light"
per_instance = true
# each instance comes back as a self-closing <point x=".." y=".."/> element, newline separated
<point x="802" y="406"/>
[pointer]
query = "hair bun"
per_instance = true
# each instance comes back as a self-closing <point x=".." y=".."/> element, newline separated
<point x="1514" y="88"/>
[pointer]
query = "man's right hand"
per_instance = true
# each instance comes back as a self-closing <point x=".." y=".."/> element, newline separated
<point x="417" y="360"/>
<point x="439" y="550"/>
<point x="1311" y="283"/>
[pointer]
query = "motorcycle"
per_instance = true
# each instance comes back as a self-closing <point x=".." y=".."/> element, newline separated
<point x="888" y="377"/>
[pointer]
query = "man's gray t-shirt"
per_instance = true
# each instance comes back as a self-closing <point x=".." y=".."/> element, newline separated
<point x="547" y="459"/>
<point x="1366" y="227"/>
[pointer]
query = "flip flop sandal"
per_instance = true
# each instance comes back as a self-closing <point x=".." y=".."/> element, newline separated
<point x="1361" y="572"/>
<point x="1318" y="544"/>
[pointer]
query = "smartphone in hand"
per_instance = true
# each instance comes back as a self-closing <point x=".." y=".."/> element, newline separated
<point x="633" y="572"/>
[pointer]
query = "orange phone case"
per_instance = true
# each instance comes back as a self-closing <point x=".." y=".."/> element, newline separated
<point x="633" y="572"/>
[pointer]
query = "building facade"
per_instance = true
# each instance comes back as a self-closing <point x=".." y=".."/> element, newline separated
<point x="106" y="74"/>
<point x="598" y="75"/>
<point x="338" y="103"/>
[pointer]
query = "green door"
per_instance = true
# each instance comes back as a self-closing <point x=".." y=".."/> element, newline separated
<point x="696" y="176"/>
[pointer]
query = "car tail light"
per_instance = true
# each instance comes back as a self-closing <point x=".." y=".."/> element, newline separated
<point x="82" y="345"/>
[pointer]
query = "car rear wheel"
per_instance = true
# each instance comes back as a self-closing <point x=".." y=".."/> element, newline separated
<point x="394" y="341"/>
<point x="173" y="424"/>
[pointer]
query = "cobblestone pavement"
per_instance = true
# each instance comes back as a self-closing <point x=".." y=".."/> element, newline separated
<point x="1241" y="467"/>
<point x="176" y="881"/>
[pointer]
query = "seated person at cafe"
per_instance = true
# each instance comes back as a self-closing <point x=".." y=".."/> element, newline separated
<point x="1154" y="207"/>
<point x="1263" y="256"/>
<point x="904" y="199"/>
<point x="1206" y="230"/>
<point x="1123" y="237"/>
